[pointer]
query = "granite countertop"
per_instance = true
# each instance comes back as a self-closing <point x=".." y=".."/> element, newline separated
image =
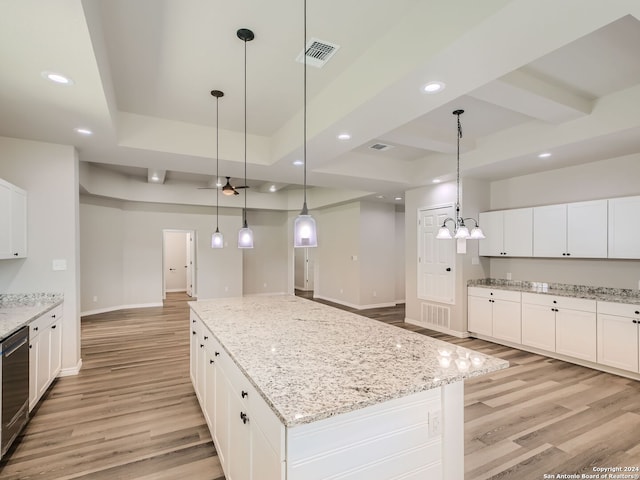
<point x="17" y="310"/>
<point x="603" y="294"/>
<point x="310" y="361"/>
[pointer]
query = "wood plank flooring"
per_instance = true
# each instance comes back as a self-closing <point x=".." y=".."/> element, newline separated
<point x="131" y="412"/>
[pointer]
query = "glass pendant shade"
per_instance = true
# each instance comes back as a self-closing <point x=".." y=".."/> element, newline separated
<point x="217" y="240"/>
<point x="477" y="233"/>
<point x="444" y="233"/>
<point x="245" y="237"/>
<point x="304" y="231"/>
<point x="462" y="232"/>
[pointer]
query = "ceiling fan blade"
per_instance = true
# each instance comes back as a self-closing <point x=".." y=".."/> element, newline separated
<point x="242" y="186"/>
<point x="236" y="193"/>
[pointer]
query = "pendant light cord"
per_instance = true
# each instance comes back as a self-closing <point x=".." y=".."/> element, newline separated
<point x="304" y="96"/>
<point x="217" y="162"/>
<point x="459" y="135"/>
<point x="245" y="136"/>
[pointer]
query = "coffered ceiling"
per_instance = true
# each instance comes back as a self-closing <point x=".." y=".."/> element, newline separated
<point x="533" y="76"/>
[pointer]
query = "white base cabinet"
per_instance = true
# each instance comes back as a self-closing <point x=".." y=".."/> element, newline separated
<point x="495" y="313"/>
<point x="619" y="335"/>
<point x="45" y="349"/>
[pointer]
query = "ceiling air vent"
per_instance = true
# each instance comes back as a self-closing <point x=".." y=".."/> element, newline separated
<point x="318" y="52"/>
<point x="380" y="147"/>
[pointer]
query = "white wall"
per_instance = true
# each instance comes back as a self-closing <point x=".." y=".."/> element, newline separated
<point x="266" y="265"/>
<point x="122" y="252"/>
<point x="605" y="179"/>
<point x="49" y="174"/>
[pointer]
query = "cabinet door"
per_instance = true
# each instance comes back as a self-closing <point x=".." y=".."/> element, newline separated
<point x="518" y="232"/>
<point x="5" y="220"/>
<point x="507" y="321"/>
<point x="34" y="344"/>
<point x="479" y="314"/>
<point x="587" y="229"/>
<point x="539" y="327"/>
<point x="265" y="462"/>
<point x="44" y="357"/>
<point x="550" y="231"/>
<point x="239" y="456"/>
<point x="210" y="395"/>
<point x="200" y="368"/>
<point x="193" y="355"/>
<point x="492" y="224"/>
<point x="221" y="415"/>
<point x="55" y="354"/>
<point x="618" y="342"/>
<point x="18" y="223"/>
<point x="576" y="334"/>
<point x="624" y="227"/>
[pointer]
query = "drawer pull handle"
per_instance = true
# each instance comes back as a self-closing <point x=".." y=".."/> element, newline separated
<point x="211" y="362"/>
<point x="637" y="312"/>
<point x="217" y="354"/>
<point x="35" y="329"/>
<point x="635" y="321"/>
<point x="244" y="394"/>
<point x="193" y="321"/>
<point x="555" y="301"/>
<point x="193" y="333"/>
<point x="201" y="345"/>
<point x="53" y="326"/>
<point x="15" y="254"/>
<point x="53" y="316"/>
<point x="244" y="417"/>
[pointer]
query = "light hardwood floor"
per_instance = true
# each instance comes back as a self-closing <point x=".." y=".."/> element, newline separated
<point x="132" y="413"/>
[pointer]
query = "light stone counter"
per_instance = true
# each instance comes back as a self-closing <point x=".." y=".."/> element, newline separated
<point x="17" y="310"/>
<point x="310" y="361"/>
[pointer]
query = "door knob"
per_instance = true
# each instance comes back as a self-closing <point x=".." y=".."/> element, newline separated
<point x="448" y="269"/>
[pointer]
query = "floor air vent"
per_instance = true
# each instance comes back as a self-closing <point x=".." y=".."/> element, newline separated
<point x="435" y="315"/>
<point x="318" y="52"/>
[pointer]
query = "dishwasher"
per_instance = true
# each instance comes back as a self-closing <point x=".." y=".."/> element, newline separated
<point x="15" y="386"/>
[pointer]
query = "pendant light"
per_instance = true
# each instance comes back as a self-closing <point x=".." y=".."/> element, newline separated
<point x="304" y="227"/>
<point x="460" y="230"/>
<point x="217" y="240"/>
<point x="245" y="234"/>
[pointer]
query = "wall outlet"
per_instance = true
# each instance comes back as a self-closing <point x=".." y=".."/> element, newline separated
<point x="264" y="284"/>
<point x="375" y="294"/>
<point x="435" y="423"/>
<point x="341" y="290"/>
<point x="226" y="288"/>
<point x="354" y="258"/>
<point x="59" y="264"/>
<point x="95" y="298"/>
<point x="508" y="275"/>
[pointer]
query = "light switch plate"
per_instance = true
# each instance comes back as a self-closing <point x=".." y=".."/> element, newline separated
<point x="59" y="264"/>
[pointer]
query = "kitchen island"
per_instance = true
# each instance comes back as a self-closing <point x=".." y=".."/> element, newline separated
<point x="293" y="389"/>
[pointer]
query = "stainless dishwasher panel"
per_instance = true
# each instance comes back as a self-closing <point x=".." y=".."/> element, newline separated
<point x="15" y="386"/>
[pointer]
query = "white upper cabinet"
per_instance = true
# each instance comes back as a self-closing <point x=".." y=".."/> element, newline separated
<point x="509" y="233"/>
<point x="624" y="227"/>
<point x="571" y="230"/>
<point x="13" y="221"/>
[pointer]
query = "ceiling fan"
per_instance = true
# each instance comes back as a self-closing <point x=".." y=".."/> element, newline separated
<point x="227" y="189"/>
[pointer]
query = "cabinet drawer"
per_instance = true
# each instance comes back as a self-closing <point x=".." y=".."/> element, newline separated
<point x="494" y="293"/>
<point x="619" y="309"/>
<point x="581" y="304"/>
<point x="44" y="321"/>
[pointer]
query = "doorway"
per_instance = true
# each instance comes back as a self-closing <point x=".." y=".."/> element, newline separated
<point x="304" y="268"/>
<point x="178" y="256"/>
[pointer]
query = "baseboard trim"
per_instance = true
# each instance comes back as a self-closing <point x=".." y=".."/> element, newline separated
<point x="175" y="290"/>
<point x="120" y="307"/>
<point x="269" y="294"/>
<point x="68" y="372"/>
<point x="448" y="331"/>
<point x="356" y="307"/>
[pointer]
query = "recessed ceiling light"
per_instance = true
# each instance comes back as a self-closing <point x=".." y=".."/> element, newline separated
<point x="272" y="188"/>
<point x="57" y="78"/>
<point x="380" y="196"/>
<point x="544" y="155"/>
<point x="83" y="131"/>
<point x="298" y="163"/>
<point x="344" y="136"/>
<point x="436" y="180"/>
<point x="155" y="177"/>
<point x="398" y="198"/>
<point x="433" y="87"/>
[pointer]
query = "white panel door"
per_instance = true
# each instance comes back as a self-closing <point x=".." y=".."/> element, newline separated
<point x="624" y="227"/>
<point x="436" y="258"/>
<point x="550" y="231"/>
<point x="587" y="229"/>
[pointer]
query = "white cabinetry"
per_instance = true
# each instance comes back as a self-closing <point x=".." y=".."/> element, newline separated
<point x="563" y="325"/>
<point x="618" y="335"/>
<point x="13" y="221"/>
<point x="571" y="230"/>
<point x="624" y="227"/>
<point x="45" y="348"/>
<point x="249" y="438"/>
<point x="495" y="313"/>
<point x="508" y="233"/>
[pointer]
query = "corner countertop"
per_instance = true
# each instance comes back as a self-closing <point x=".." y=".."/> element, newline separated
<point x="602" y="294"/>
<point x="17" y="310"/>
<point x="310" y="361"/>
